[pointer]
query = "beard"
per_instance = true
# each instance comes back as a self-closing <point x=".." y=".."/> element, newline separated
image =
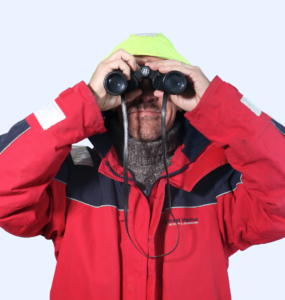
<point x="144" y="128"/>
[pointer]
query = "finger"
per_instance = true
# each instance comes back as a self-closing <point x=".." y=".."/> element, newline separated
<point x="165" y="62"/>
<point x="131" y="96"/>
<point x="178" y="64"/>
<point x="119" y="64"/>
<point x="153" y="67"/>
<point x="190" y="73"/>
<point x="158" y="94"/>
<point x="157" y="64"/>
<point x="185" y="71"/>
<point x="141" y="61"/>
<point x="125" y="56"/>
<point x="169" y="62"/>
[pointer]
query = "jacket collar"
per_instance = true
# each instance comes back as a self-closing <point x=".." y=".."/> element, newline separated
<point x="191" y="161"/>
<point x="194" y="142"/>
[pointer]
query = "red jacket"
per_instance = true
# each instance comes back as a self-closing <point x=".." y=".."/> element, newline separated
<point x="227" y="187"/>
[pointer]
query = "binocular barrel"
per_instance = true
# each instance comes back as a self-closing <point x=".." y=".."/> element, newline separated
<point x="173" y="82"/>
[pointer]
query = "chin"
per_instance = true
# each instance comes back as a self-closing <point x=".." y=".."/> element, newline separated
<point x="145" y="137"/>
<point x="145" y="129"/>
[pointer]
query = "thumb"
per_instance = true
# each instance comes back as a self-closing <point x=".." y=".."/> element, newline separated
<point x="130" y="96"/>
<point x="160" y="94"/>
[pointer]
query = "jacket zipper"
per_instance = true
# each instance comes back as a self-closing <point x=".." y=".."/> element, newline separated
<point x="118" y="175"/>
<point x="164" y="176"/>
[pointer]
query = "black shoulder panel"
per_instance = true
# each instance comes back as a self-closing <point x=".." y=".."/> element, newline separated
<point x="86" y="185"/>
<point x="17" y="130"/>
<point x="279" y="126"/>
<point x="229" y="181"/>
<point x="220" y="180"/>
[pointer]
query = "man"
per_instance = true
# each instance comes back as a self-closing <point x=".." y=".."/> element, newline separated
<point x="226" y="166"/>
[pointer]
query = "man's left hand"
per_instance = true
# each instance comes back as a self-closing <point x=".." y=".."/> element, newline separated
<point x="196" y="86"/>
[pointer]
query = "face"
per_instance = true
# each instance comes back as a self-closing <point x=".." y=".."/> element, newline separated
<point x="144" y="112"/>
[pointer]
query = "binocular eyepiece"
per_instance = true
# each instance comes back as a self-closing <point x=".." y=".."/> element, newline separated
<point x="173" y="82"/>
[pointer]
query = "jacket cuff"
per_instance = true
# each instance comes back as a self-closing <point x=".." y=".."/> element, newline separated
<point x="214" y="85"/>
<point x="225" y="117"/>
<point x="70" y="118"/>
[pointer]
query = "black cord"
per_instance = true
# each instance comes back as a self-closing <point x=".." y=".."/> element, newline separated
<point x="125" y="189"/>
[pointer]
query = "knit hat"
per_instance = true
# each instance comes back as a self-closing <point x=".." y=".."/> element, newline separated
<point x="153" y="44"/>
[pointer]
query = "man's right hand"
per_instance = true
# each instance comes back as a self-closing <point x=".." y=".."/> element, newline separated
<point x="120" y="59"/>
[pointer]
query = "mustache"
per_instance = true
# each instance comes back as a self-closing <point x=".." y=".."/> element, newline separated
<point x="139" y="105"/>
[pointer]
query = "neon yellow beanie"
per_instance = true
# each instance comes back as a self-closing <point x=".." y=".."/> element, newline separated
<point x="153" y="44"/>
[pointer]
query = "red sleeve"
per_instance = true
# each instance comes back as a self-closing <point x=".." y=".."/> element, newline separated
<point x="31" y="154"/>
<point x="252" y="211"/>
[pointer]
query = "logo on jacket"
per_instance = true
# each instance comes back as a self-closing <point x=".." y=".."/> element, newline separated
<point x="182" y="221"/>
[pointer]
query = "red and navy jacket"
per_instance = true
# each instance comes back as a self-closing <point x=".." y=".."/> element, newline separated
<point x="227" y="188"/>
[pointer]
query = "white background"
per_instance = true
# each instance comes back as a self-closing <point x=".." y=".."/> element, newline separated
<point x="48" y="46"/>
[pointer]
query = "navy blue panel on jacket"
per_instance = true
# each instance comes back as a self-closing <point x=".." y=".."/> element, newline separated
<point x="279" y="126"/>
<point x="195" y="142"/>
<point x="86" y="185"/>
<point x="228" y="181"/>
<point x="221" y="180"/>
<point x="101" y="142"/>
<point x="15" y="131"/>
<point x="62" y="174"/>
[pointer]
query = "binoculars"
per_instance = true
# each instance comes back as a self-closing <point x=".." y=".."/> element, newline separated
<point x="173" y="82"/>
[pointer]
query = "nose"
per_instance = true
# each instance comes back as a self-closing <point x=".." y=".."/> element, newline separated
<point x="147" y="90"/>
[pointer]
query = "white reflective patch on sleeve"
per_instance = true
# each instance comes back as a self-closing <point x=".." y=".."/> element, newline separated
<point x="251" y="106"/>
<point x="146" y="34"/>
<point x="81" y="156"/>
<point x="49" y="115"/>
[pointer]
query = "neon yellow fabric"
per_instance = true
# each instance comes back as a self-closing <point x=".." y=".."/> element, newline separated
<point x="153" y="44"/>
